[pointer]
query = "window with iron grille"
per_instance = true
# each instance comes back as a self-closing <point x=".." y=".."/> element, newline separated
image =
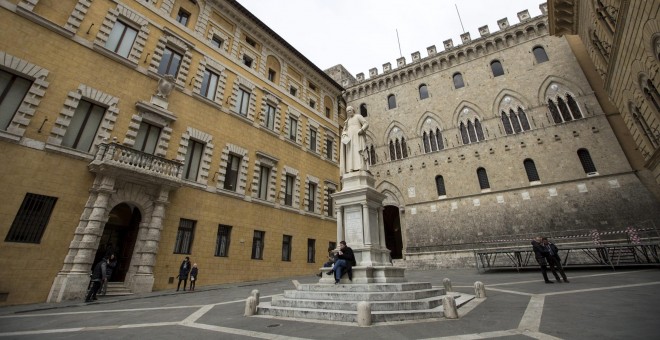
<point x="32" y="218"/>
<point x="483" y="178"/>
<point x="258" y="245"/>
<point x="530" y="169"/>
<point x="440" y="185"/>
<point x="311" y="250"/>
<point x="286" y="247"/>
<point x="587" y="163"/>
<point x="184" y="236"/>
<point x="223" y="240"/>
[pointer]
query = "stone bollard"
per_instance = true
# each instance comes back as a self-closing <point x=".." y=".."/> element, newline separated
<point x="363" y="314"/>
<point x="447" y="283"/>
<point x="479" y="290"/>
<point x="255" y="294"/>
<point x="449" y="307"/>
<point x="250" y="306"/>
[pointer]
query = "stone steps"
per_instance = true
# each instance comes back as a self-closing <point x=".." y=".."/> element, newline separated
<point x="349" y="295"/>
<point x="346" y="311"/>
<point x="117" y="289"/>
<point x="382" y="287"/>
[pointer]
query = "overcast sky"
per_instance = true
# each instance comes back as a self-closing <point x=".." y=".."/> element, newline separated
<point x="361" y="34"/>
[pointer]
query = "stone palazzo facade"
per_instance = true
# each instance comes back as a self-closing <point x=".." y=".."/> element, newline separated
<point x="155" y="130"/>
<point x="499" y="137"/>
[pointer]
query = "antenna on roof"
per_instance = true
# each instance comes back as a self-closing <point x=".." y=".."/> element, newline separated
<point x="397" y="40"/>
<point x="459" y="18"/>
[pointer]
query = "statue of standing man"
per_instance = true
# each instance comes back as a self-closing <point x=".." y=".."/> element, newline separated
<point x="353" y="155"/>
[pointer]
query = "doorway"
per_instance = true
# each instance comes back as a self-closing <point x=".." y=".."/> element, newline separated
<point x="393" y="239"/>
<point x="119" y="236"/>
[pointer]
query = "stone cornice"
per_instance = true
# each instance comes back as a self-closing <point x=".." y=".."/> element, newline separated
<point x="563" y="17"/>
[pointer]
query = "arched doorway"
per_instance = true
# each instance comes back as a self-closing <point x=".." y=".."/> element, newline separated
<point x="393" y="239"/>
<point x="119" y="236"/>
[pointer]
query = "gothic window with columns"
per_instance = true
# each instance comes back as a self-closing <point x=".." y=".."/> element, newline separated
<point x="653" y="139"/>
<point x="397" y="145"/>
<point x="606" y="15"/>
<point x="432" y="136"/>
<point x="471" y="132"/>
<point x="513" y="116"/>
<point x="562" y="104"/>
<point x="372" y="155"/>
<point x="651" y="94"/>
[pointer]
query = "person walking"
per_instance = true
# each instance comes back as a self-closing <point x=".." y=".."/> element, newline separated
<point x="112" y="264"/>
<point x="184" y="270"/>
<point x="99" y="274"/>
<point x="193" y="277"/>
<point x="554" y="260"/>
<point x="542" y="254"/>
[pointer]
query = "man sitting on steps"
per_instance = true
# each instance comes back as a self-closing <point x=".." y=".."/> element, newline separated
<point x="344" y="263"/>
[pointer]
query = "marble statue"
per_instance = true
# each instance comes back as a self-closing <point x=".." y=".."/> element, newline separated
<point x="353" y="155"/>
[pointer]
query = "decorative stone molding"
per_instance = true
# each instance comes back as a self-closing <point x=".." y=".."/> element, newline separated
<point x="178" y="45"/>
<point x="30" y="103"/>
<point x="274" y="101"/>
<point x="241" y="181"/>
<point x="205" y="166"/>
<point x="268" y="161"/>
<point x="130" y="18"/>
<point x="212" y="66"/>
<point x="245" y="85"/>
<point x="66" y="114"/>
<point x="317" y="195"/>
<point x="295" y="114"/>
<point x="287" y="170"/>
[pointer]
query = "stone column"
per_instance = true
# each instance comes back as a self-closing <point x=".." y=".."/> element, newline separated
<point x="340" y="224"/>
<point x="381" y="227"/>
<point x="366" y="226"/>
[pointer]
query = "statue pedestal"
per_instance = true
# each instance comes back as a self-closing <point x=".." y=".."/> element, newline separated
<point x="360" y="224"/>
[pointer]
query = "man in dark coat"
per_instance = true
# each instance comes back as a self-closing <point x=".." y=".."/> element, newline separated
<point x="345" y="262"/>
<point x="554" y="261"/>
<point x="99" y="275"/>
<point x="542" y="254"/>
<point x="184" y="270"/>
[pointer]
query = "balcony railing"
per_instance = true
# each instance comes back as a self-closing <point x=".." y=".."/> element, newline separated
<point x="135" y="163"/>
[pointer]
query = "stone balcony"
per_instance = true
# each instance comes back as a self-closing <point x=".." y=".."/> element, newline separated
<point x="117" y="160"/>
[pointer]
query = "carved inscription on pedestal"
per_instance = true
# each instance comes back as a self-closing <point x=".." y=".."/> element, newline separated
<point x="353" y="227"/>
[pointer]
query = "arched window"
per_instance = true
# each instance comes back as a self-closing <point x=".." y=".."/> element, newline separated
<point x="507" y="124"/>
<point x="434" y="144"/>
<point x="478" y="130"/>
<point x="391" y="101"/>
<point x="530" y="169"/>
<point x="440" y="185"/>
<point x="554" y="112"/>
<point x="363" y="110"/>
<point x="458" y="80"/>
<point x="514" y="122"/>
<point x="483" y="179"/>
<point x="587" y="163"/>
<point x="540" y="55"/>
<point x="404" y="148"/>
<point x="575" y="108"/>
<point x="423" y="91"/>
<point x="372" y="155"/>
<point x="523" y="119"/>
<point x="464" y="134"/>
<point x="471" y="132"/>
<point x="563" y="108"/>
<point x="392" y="151"/>
<point x="427" y="143"/>
<point x="651" y="94"/>
<point x="438" y="138"/>
<point x="398" y="149"/>
<point x="644" y="127"/>
<point x="497" y="68"/>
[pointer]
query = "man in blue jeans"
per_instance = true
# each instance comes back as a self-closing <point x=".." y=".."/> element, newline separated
<point x="345" y="261"/>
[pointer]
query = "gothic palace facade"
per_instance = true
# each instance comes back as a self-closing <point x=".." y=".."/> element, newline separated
<point x="500" y="137"/>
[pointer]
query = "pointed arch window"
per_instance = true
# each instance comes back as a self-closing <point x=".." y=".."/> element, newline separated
<point x="398" y="149"/>
<point x="575" y="108"/>
<point x="506" y="123"/>
<point x="587" y="163"/>
<point x="423" y="91"/>
<point x="523" y="119"/>
<point x="427" y="143"/>
<point x="564" y="110"/>
<point x="440" y="185"/>
<point x="372" y="155"/>
<point x="363" y="110"/>
<point x="482" y="176"/>
<point x="458" y="80"/>
<point x="554" y="112"/>
<point x="478" y="130"/>
<point x="471" y="132"/>
<point x="497" y="68"/>
<point x="530" y="169"/>
<point x="540" y="55"/>
<point x="391" y="101"/>
<point x="464" y="134"/>
<point x="651" y="94"/>
<point x="404" y="148"/>
<point x="644" y="127"/>
<point x="514" y="122"/>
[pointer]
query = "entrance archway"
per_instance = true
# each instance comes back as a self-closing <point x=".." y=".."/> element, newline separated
<point x="119" y="236"/>
<point x="393" y="239"/>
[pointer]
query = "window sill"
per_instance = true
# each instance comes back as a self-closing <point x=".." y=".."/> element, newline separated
<point x="230" y="193"/>
<point x="114" y="56"/>
<point x="263" y="202"/>
<point x="9" y="136"/>
<point x="288" y="140"/>
<point x="290" y="208"/>
<point x="194" y="184"/>
<point x="268" y="130"/>
<point x="241" y="117"/>
<point x="485" y="190"/>
<point x="592" y="174"/>
<point x="208" y="101"/>
<point x="535" y="183"/>
<point x="69" y="152"/>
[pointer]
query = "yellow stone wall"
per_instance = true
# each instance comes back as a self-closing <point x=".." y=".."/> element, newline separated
<point x="27" y="166"/>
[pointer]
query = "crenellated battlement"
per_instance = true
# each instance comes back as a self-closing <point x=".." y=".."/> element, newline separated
<point x="451" y="55"/>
